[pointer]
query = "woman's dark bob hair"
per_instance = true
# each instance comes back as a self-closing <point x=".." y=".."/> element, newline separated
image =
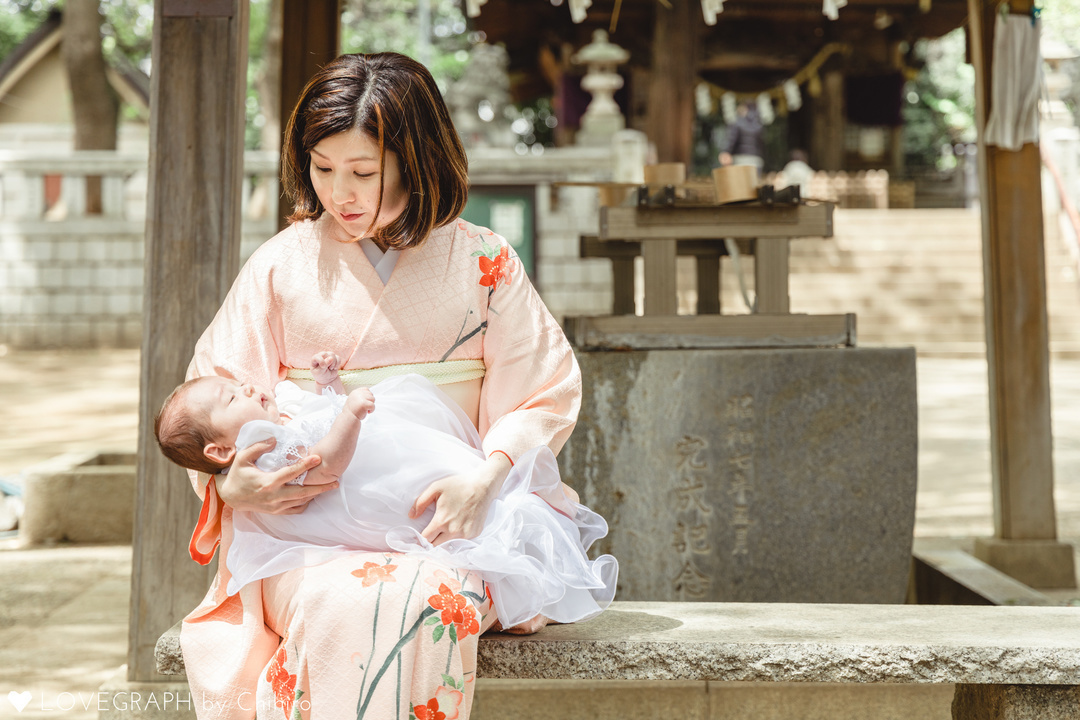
<point x="393" y="100"/>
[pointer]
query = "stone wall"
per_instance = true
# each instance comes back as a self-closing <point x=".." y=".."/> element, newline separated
<point x="68" y="279"/>
<point x="74" y="286"/>
<point x="72" y="279"/>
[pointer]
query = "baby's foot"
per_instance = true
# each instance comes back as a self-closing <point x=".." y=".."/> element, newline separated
<point x="324" y="367"/>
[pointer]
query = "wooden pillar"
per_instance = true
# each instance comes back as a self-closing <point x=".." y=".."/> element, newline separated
<point x="827" y="133"/>
<point x="771" y="257"/>
<point x="671" y="113"/>
<point x="661" y="277"/>
<point x="311" y="38"/>
<point x="1017" y="347"/>
<point x="192" y="255"/>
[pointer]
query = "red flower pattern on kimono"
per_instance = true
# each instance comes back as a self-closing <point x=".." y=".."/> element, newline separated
<point x="456" y="611"/>
<point x="281" y="682"/>
<point x="444" y="706"/>
<point x="499" y="268"/>
<point x="372" y="573"/>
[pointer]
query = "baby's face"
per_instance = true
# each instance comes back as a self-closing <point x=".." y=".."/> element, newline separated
<point x="230" y="404"/>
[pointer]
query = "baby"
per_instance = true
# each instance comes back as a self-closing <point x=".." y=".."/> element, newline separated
<point x="531" y="552"/>
<point x="200" y="422"/>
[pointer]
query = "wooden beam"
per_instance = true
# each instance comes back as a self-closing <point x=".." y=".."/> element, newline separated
<point x="628" y="332"/>
<point x="311" y="38"/>
<point x="192" y="255"/>
<point x="1017" y="347"/>
<point x="711" y="222"/>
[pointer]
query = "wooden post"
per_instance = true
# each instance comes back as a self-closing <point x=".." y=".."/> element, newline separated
<point x="771" y="276"/>
<point x="192" y="255"/>
<point x="671" y="82"/>
<point x="827" y="139"/>
<point x="708" y="284"/>
<point x="311" y="38"/>
<point x="622" y="271"/>
<point x="1017" y="348"/>
<point x="661" y="277"/>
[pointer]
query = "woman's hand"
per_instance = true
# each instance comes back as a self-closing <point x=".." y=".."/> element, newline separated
<point x="462" y="501"/>
<point x="246" y="487"/>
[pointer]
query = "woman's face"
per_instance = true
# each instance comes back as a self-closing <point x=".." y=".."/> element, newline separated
<point x="345" y="175"/>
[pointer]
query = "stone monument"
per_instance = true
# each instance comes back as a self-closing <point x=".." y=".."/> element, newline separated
<point x="751" y="475"/>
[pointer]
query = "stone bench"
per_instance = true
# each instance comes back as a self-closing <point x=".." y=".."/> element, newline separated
<point x="1008" y="663"/>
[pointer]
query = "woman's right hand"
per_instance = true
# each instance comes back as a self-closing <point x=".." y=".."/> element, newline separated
<point x="246" y="487"/>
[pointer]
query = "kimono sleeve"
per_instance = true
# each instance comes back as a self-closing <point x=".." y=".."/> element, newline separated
<point x="241" y="340"/>
<point x="532" y="390"/>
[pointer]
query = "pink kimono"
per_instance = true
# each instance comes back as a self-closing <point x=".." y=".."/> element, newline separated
<point x="373" y="635"/>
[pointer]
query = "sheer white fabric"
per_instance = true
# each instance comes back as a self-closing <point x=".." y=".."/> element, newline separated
<point x="532" y="551"/>
<point x="1015" y="83"/>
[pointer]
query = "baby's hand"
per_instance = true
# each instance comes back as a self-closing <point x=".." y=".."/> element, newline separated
<point x="360" y="402"/>
<point x="324" y="367"/>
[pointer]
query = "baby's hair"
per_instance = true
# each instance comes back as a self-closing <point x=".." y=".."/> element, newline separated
<point x="182" y="434"/>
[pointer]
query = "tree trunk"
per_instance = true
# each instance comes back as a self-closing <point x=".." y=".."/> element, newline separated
<point x="95" y="107"/>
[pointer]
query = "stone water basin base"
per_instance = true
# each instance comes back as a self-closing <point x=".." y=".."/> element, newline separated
<point x="86" y="497"/>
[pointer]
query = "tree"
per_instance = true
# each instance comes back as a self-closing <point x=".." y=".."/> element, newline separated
<point x="940" y="104"/>
<point x="95" y="107"/>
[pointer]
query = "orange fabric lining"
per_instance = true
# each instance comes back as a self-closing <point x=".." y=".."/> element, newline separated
<point x="207" y="534"/>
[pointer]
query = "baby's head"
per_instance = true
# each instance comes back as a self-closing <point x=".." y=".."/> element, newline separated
<point x="197" y="425"/>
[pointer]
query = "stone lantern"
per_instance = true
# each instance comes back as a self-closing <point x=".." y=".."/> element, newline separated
<point x="602" y="118"/>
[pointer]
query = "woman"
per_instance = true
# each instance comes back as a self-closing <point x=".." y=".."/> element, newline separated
<point x="377" y="268"/>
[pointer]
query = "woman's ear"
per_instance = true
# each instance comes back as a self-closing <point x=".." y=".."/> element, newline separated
<point x="219" y="453"/>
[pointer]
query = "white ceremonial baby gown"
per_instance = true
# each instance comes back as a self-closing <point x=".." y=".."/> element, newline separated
<point x="532" y="551"/>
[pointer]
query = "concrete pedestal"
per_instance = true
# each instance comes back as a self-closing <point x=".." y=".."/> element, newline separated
<point x="772" y="475"/>
<point x="1042" y="564"/>
<point x="80" y="498"/>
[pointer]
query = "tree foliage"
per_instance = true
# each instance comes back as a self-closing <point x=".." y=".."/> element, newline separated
<point x="21" y="17"/>
<point x="939" y="107"/>
<point x="369" y="26"/>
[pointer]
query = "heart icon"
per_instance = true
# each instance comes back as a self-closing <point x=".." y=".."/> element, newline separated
<point x="19" y="700"/>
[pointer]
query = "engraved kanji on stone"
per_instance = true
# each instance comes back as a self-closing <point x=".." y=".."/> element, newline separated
<point x="692" y="581"/>
<point x="689" y="447"/>
<point x="691" y="496"/>
<point x="680" y="542"/>
<point x="699" y="539"/>
<point x="742" y="547"/>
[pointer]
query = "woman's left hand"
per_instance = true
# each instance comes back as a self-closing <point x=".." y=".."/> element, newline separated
<point x="461" y="501"/>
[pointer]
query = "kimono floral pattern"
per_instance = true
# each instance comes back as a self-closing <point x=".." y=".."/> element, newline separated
<point x="496" y="265"/>
<point x="372" y="573"/>
<point x="282" y="682"/>
<point x="453" y="613"/>
<point x="444" y="706"/>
